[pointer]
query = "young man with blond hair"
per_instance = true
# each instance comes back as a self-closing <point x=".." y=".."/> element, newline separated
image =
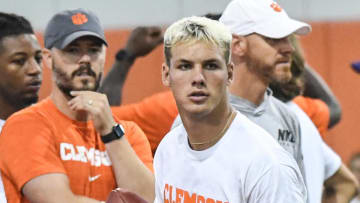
<point x="217" y="155"/>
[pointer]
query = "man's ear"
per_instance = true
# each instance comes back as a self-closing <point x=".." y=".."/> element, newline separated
<point x="47" y="58"/>
<point x="230" y="70"/>
<point x="238" y="45"/>
<point x="165" y="74"/>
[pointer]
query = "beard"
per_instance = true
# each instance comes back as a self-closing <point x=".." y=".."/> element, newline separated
<point x="266" y="72"/>
<point x="258" y="68"/>
<point x="65" y="82"/>
<point x="18" y="99"/>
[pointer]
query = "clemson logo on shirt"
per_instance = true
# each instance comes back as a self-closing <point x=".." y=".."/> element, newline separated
<point x="69" y="152"/>
<point x="181" y="195"/>
<point x="276" y="7"/>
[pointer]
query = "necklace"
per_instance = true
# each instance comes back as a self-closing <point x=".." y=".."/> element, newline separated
<point x="219" y="135"/>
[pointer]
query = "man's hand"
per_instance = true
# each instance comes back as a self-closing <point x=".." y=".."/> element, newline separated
<point x="143" y="40"/>
<point x="97" y="106"/>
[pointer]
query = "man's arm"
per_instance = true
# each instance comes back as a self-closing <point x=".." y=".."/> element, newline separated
<point x="130" y="172"/>
<point x="344" y="184"/>
<point x="141" y="42"/>
<point x="316" y="87"/>
<point x="52" y="188"/>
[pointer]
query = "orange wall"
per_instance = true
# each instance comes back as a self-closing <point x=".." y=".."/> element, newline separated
<point x="329" y="49"/>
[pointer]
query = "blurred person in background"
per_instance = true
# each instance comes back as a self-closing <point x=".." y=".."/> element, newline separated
<point x="20" y="68"/>
<point x="323" y="167"/>
<point x="354" y="165"/>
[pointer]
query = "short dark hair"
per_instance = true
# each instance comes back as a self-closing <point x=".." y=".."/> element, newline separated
<point x="213" y="16"/>
<point x="12" y="25"/>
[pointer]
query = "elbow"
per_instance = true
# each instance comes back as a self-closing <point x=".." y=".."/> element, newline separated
<point x="356" y="186"/>
<point x="344" y="184"/>
<point x="335" y="115"/>
<point x="353" y="185"/>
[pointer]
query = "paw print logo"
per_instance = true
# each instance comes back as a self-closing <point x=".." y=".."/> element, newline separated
<point x="79" y="19"/>
<point x="276" y="7"/>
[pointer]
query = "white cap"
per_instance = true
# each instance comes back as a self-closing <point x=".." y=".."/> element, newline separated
<point x="263" y="17"/>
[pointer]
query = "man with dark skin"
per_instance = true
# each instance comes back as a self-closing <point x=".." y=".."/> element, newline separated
<point x="20" y="64"/>
<point x="20" y="68"/>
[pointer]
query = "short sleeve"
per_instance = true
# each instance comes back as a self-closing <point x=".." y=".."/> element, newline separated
<point x="27" y="149"/>
<point x="279" y="183"/>
<point x="331" y="159"/>
<point x="138" y="142"/>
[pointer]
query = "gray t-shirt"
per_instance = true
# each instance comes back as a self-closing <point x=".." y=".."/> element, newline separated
<point x="275" y="117"/>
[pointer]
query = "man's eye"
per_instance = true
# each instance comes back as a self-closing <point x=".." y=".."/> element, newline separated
<point x="38" y="59"/>
<point x="72" y="50"/>
<point x="274" y="41"/>
<point x="184" y="66"/>
<point x="19" y="62"/>
<point x="94" y="50"/>
<point x="211" y="66"/>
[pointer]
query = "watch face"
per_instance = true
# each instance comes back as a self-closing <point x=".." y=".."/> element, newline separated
<point x="119" y="130"/>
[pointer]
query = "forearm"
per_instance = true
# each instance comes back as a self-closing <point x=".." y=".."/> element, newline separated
<point x="82" y="199"/>
<point x="114" y="81"/>
<point x="316" y="87"/>
<point x="38" y="190"/>
<point x="345" y="192"/>
<point x="135" y="176"/>
<point x="344" y="184"/>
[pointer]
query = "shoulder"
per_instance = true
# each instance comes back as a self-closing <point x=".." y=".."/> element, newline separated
<point x="281" y="106"/>
<point x="253" y="138"/>
<point x="35" y="115"/>
<point x="284" y="112"/>
<point x="173" y="135"/>
<point x="159" y="102"/>
<point x="172" y="138"/>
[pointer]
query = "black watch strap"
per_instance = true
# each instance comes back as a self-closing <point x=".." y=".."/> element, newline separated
<point x="116" y="133"/>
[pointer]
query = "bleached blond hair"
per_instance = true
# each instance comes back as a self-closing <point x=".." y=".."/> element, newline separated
<point x="196" y="28"/>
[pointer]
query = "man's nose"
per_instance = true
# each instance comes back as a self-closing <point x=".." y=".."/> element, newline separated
<point x="85" y="58"/>
<point x="286" y="47"/>
<point x="34" y="68"/>
<point x="198" y="76"/>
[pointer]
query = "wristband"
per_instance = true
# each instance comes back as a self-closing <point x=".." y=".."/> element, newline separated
<point x="116" y="133"/>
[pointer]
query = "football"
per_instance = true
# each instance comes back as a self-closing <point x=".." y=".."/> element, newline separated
<point x="120" y="195"/>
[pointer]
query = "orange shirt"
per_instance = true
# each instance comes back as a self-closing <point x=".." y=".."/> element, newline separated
<point x="317" y="110"/>
<point x="154" y="115"/>
<point x="41" y="140"/>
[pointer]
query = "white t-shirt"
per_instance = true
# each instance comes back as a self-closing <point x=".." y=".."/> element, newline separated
<point x="246" y="165"/>
<point x="276" y="118"/>
<point x="2" y="191"/>
<point x="320" y="161"/>
<point x="355" y="200"/>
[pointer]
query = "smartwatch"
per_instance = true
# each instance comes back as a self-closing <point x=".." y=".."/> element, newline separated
<point x="116" y="133"/>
